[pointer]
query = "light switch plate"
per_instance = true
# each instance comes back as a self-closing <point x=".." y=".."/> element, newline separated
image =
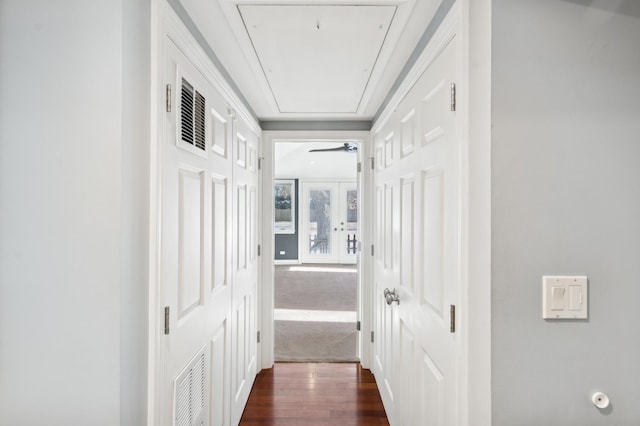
<point x="564" y="297"/>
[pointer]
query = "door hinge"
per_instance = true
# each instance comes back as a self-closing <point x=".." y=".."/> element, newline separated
<point x="359" y="167"/>
<point x="373" y="163"/>
<point x="372" y="337"/>
<point x="453" y="96"/>
<point x="371" y="249"/>
<point x="259" y="250"/>
<point x="358" y="325"/>
<point x="168" y="98"/>
<point x="258" y="337"/>
<point x="260" y="163"/>
<point x="166" y="319"/>
<point x="452" y="326"/>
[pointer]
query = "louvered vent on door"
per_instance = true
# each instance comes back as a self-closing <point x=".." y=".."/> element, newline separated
<point x="191" y="394"/>
<point x="192" y="116"/>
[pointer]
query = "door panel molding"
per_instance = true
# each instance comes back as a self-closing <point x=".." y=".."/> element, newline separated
<point x="422" y="192"/>
<point x="192" y="248"/>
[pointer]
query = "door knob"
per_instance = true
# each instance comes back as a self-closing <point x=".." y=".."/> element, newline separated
<point x="391" y="296"/>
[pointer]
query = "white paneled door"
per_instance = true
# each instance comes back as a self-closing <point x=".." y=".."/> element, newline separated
<point x="245" y="266"/>
<point x="329" y="216"/>
<point x="208" y="253"/>
<point x="416" y="235"/>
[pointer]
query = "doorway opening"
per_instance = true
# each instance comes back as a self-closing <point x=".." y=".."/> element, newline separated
<point x="316" y="240"/>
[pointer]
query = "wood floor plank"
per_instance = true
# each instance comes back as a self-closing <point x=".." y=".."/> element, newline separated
<point x="314" y="394"/>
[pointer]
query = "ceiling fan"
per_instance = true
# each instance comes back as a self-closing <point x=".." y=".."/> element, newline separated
<point x="346" y="147"/>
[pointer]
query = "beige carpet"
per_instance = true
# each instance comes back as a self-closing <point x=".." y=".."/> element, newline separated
<point x="315" y="319"/>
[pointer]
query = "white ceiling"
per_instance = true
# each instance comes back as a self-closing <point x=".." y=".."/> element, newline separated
<point x="294" y="161"/>
<point x="312" y="60"/>
<point x="317" y="58"/>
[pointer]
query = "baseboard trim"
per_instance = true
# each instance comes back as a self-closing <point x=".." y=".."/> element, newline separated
<point x="286" y="262"/>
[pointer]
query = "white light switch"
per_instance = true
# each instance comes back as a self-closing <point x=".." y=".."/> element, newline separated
<point x="557" y="298"/>
<point x="564" y="297"/>
<point x="575" y="297"/>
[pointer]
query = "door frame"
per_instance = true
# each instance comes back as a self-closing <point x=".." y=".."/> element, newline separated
<point x="265" y="312"/>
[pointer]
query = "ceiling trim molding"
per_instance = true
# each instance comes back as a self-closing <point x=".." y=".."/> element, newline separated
<point x="316" y="125"/>
<point x="426" y="37"/>
<point x="186" y="20"/>
<point x="269" y="110"/>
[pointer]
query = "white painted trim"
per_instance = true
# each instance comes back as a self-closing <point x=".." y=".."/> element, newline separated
<point x="267" y="301"/>
<point x="365" y="184"/>
<point x="154" y="372"/>
<point x="260" y="241"/>
<point x="475" y="98"/>
<point x="286" y="262"/>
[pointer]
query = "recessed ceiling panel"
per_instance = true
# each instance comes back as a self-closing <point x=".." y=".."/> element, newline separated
<point x="317" y="58"/>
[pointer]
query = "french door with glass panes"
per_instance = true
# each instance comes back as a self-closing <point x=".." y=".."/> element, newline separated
<point x="329" y="222"/>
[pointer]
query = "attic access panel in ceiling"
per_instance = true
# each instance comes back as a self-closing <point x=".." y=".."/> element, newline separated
<point x="317" y="58"/>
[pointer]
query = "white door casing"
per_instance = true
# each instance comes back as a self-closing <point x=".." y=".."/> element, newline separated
<point x="417" y="251"/>
<point x="267" y="291"/>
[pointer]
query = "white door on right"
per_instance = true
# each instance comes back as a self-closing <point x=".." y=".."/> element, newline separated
<point x="417" y="230"/>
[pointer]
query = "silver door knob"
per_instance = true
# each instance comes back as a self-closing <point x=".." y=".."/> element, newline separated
<point x="391" y="296"/>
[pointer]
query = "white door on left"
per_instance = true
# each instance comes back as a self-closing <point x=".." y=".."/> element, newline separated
<point x="196" y="249"/>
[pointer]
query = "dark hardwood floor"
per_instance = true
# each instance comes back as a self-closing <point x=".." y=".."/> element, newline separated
<point x="314" y="394"/>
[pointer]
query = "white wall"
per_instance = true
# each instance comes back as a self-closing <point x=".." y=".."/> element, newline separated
<point x="566" y="200"/>
<point x="67" y="181"/>
<point x="134" y="252"/>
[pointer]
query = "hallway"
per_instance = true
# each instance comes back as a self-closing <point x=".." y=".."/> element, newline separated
<point x="498" y="146"/>
<point x="314" y="394"/>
